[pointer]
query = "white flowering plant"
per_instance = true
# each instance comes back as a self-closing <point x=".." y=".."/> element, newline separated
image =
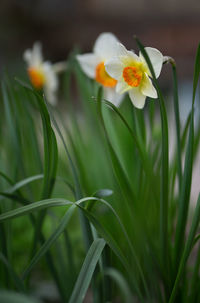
<point x="90" y="198"/>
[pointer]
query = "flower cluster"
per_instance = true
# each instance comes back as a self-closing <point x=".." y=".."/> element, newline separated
<point x="114" y="67"/>
<point x="119" y="70"/>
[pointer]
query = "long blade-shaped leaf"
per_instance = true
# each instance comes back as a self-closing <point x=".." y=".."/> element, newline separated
<point x="87" y="234"/>
<point x="165" y="167"/>
<point x="177" y="119"/>
<point x="10" y="297"/>
<point x="87" y="271"/>
<point x="121" y="176"/>
<point x="115" y="248"/>
<point x="187" y="177"/>
<point x="22" y="183"/>
<point x="18" y="282"/>
<point x="187" y="250"/>
<point x="121" y="282"/>
<point x="44" y="204"/>
<point x="50" y="241"/>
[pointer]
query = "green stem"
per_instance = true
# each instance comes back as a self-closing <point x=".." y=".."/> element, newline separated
<point x="177" y="119"/>
<point x="164" y="174"/>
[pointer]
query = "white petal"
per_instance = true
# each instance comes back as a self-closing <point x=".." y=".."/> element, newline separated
<point x="50" y="76"/>
<point x="130" y="59"/>
<point x="60" y="67"/>
<point x="133" y="56"/>
<point x="122" y="87"/>
<point x="51" y="84"/>
<point x="28" y="57"/>
<point x="137" y="98"/>
<point x="50" y="96"/>
<point x="114" y="68"/>
<point x="106" y="46"/>
<point x="147" y="88"/>
<point x="112" y="96"/>
<point x="34" y="57"/>
<point x="37" y="54"/>
<point x="156" y="59"/>
<point x="88" y="63"/>
<point x="121" y="50"/>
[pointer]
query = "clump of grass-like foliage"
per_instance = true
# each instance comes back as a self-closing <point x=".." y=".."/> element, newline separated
<point x="94" y="195"/>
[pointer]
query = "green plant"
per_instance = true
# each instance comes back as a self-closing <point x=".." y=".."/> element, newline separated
<point x="113" y="166"/>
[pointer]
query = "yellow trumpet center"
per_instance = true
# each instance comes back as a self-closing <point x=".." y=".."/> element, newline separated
<point x="132" y="75"/>
<point x="37" y="77"/>
<point x="102" y="76"/>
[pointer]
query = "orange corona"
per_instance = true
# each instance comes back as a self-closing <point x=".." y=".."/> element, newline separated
<point x="37" y="77"/>
<point x="102" y="76"/>
<point x="132" y="75"/>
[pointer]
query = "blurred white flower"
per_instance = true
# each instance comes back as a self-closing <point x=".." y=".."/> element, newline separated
<point x="133" y="75"/>
<point x="92" y="64"/>
<point x="41" y="73"/>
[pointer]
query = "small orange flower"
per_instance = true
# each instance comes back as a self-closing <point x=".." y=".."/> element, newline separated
<point x="41" y="73"/>
<point x="37" y="77"/>
<point x="93" y="64"/>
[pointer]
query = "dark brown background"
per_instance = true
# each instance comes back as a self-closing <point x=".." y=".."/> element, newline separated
<point x="172" y="26"/>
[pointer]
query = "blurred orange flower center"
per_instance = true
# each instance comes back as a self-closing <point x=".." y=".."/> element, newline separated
<point x="103" y="77"/>
<point x="132" y="75"/>
<point x="37" y="77"/>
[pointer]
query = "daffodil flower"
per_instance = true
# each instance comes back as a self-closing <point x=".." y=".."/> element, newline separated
<point x="133" y="75"/>
<point x="93" y="65"/>
<point x="42" y="74"/>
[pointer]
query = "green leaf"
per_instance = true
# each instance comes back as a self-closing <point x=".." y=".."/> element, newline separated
<point x="177" y="119"/>
<point x="102" y="193"/>
<point x="187" y="177"/>
<point x="196" y="239"/>
<point x="144" y="157"/>
<point x="87" y="234"/>
<point x="165" y="167"/>
<point x="121" y="283"/>
<point x="6" y="178"/>
<point x="187" y="250"/>
<point x="184" y="195"/>
<point x="115" y="247"/>
<point x="14" y="197"/>
<point x="18" y="282"/>
<point x="120" y="174"/>
<point x="22" y="183"/>
<point x="87" y="270"/>
<point x="99" y="194"/>
<point x="43" y="204"/>
<point x="11" y="125"/>
<point x="50" y="241"/>
<point x="194" y="290"/>
<point x="13" y="297"/>
<point x="116" y="110"/>
<point x="196" y="74"/>
<point x="50" y="144"/>
<point x="73" y="168"/>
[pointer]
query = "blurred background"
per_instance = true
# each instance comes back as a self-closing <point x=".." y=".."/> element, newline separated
<point x="172" y="26"/>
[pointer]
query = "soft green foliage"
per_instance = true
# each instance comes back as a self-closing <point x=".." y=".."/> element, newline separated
<point x="125" y="231"/>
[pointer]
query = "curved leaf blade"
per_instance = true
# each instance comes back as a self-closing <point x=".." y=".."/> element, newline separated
<point x="87" y="271"/>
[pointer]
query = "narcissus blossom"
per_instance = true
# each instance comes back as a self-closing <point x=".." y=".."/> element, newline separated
<point x="42" y="74"/>
<point x="93" y="65"/>
<point x="133" y="75"/>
